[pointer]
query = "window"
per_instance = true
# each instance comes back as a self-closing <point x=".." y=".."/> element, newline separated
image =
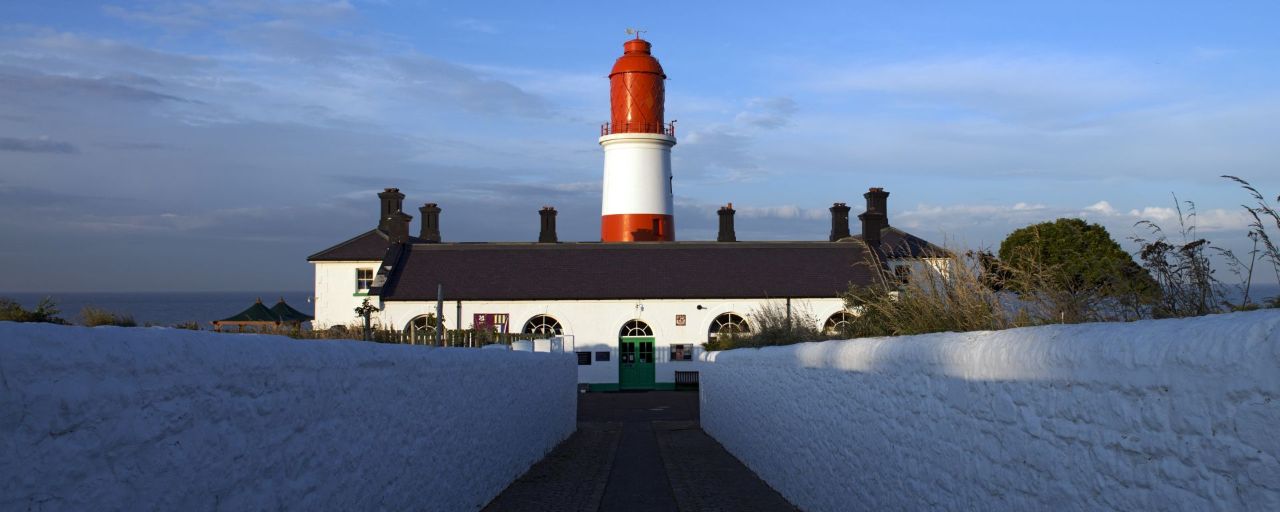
<point x="422" y="329"/>
<point x="728" y="325"/>
<point x="682" y="352"/>
<point x="903" y="273"/>
<point x="542" y="325"/>
<point x="635" y="328"/>
<point x="602" y="356"/>
<point x="838" y="323"/>
<point x="364" y="279"/>
<point x="584" y="359"/>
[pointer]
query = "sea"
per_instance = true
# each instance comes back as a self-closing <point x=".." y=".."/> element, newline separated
<point x="165" y="308"/>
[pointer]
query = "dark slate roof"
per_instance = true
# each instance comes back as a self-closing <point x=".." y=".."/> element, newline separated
<point x="286" y="313"/>
<point x="255" y="313"/>
<point x="637" y="270"/>
<point x="896" y="243"/>
<point x="368" y="246"/>
<point x="372" y="246"/>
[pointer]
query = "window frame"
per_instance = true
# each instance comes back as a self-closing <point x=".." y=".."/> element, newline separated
<point x="630" y="327"/>
<point x="742" y="326"/>
<point x="368" y="281"/>
<point x="544" y="322"/>
<point x="831" y="326"/>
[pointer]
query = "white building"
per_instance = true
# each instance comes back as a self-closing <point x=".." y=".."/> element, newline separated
<point x="647" y="301"/>
<point x="636" y="306"/>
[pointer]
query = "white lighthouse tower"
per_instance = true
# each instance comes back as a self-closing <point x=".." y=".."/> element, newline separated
<point x="637" y="204"/>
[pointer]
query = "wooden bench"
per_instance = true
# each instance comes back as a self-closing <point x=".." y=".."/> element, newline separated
<point x="686" y="379"/>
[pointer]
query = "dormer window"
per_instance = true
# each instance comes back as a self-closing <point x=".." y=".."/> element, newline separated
<point x="364" y="279"/>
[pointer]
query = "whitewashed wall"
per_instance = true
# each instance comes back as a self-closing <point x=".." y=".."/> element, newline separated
<point x="594" y="325"/>
<point x="159" y="419"/>
<point x="335" y="292"/>
<point x="1154" y="415"/>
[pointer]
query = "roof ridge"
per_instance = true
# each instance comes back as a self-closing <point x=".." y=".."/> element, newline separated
<point x="345" y="243"/>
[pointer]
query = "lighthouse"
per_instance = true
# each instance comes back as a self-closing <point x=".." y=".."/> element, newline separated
<point x="637" y="142"/>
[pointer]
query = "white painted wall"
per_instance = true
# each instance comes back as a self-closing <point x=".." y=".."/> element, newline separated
<point x="160" y="419"/>
<point x="1154" y="415"/>
<point x="335" y="289"/>
<point x="637" y="173"/>
<point x="594" y="325"/>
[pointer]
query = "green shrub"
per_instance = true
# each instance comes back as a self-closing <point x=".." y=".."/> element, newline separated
<point x="45" y="312"/>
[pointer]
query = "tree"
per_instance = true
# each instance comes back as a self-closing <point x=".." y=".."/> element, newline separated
<point x="1077" y="269"/>
<point x="365" y="311"/>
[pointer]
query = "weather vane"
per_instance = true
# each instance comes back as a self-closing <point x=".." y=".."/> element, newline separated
<point x="635" y="31"/>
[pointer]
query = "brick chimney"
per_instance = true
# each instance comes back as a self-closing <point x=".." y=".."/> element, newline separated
<point x="876" y="218"/>
<point x="430" y="223"/>
<point x="391" y="200"/>
<point x="398" y="227"/>
<point x="547" y="235"/>
<point x="727" y="233"/>
<point x="839" y="221"/>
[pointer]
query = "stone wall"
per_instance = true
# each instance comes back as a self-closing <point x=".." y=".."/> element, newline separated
<point x="145" y="419"/>
<point x="1155" y="415"/>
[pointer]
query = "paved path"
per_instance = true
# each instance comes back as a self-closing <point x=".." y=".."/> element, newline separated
<point x="639" y="452"/>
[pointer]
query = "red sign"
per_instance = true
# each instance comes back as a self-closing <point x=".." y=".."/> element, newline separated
<point x="491" y="322"/>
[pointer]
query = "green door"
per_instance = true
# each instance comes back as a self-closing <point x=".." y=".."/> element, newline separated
<point x="635" y="363"/>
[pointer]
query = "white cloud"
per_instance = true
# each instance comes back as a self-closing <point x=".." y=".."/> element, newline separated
<point x="1025" y="86"/>
<point x="780" y="212"/>
<point x="183" y="16"/>
<point x="767" y="113"/>
<point x="1101" y="207"/>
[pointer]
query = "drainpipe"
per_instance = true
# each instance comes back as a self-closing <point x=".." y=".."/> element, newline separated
<point x="439" y="314"/>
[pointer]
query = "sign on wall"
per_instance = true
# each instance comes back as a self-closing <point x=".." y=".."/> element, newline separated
<point x="491" y="322"/>
<point x="680" y="320"/>
<point x="682" y="352"/>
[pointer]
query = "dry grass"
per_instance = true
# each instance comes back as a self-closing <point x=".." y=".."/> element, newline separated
<point x="951" y="296"/>
<point x="772" y="324"/>
<point x="92" y="316"/>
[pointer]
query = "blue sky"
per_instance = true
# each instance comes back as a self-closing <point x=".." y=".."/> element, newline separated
<point x="214" y="145"/>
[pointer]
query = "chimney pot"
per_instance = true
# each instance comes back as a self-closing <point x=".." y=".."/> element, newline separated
<point x="839" y="221"/>
<point x="547" y="234"/>
<point x="398" y="227"/>
<point x="430" y="223"/>
<point x="727" y="232"/>
<point x="391" y="201"/>
<point x="876" y="217"/>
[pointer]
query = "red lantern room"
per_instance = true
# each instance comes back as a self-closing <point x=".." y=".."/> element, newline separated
<point x="636" y="91"/>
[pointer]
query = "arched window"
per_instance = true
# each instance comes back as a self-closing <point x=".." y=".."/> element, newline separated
<point x="422" y="329"/>
<point x="838" y="323"/>
<point x="542" y="325"/>
<point x="728" y="324"/>
<point x="635" y="328"/>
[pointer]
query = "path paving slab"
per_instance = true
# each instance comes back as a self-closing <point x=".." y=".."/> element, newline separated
<point x="570" y="478"/>
<point x="705" y="476"/>
<point x="642" y="452"/>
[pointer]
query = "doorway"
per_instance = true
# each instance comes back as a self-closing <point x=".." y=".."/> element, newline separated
<point x="635" y="364"/>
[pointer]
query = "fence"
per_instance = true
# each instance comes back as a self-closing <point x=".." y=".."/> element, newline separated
<point x="660" y="128"/>
<point x="465" y="338"/>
